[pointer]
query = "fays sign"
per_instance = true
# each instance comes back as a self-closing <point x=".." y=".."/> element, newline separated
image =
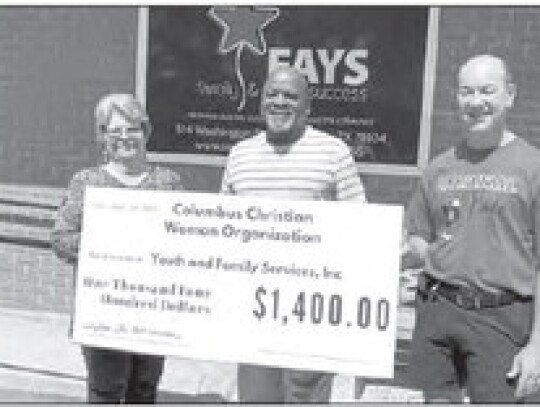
<point x="365" y="67"/>
<point x="320" y="66"/>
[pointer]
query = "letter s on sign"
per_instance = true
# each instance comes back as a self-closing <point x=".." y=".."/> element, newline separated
<point x="360" y="69"/>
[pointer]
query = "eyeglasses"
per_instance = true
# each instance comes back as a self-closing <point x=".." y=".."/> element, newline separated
<point x="125" y="132"/>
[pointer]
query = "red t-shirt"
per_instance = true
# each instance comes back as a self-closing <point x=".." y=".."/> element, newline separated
<point x="479" y="210"/>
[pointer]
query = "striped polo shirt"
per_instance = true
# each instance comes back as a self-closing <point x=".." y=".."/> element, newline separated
<point x="317" y="166"/>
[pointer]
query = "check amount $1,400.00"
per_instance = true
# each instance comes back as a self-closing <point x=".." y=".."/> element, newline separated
<point x="316" y="308"/>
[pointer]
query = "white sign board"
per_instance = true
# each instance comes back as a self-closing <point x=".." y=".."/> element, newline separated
<point x="308" y="285"/>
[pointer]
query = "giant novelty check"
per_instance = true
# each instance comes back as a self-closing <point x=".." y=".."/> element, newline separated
<point x="308" y="285"/>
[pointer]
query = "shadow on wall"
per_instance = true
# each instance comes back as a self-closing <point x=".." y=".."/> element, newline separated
<point x="199" y="178"/>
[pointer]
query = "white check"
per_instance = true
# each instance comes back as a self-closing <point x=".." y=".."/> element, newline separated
<point x="308" y="285"/>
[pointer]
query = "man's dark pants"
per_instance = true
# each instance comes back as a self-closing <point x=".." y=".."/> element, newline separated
<point x="474" y="348"/>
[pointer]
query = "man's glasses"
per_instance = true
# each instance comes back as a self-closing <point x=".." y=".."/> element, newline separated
<point x="125" y="132"/>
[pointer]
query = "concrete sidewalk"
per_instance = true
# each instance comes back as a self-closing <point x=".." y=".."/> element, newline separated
<point x="36" y="354"/>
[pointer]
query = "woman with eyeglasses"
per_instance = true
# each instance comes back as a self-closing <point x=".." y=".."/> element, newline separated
<point x="122" y="129"/>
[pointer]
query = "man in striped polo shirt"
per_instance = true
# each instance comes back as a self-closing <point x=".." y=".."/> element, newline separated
<point x="289" y="160"/>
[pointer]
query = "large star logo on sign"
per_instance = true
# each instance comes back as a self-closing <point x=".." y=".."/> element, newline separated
<point x="242" y="27"/>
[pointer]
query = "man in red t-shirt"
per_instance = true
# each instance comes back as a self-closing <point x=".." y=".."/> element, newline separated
<point x="474" y="222"/>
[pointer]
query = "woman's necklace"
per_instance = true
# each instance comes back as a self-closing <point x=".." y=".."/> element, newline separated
<point x="121" y="173"/>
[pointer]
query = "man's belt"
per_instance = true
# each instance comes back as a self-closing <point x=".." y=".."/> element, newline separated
<point x="464" y="297"/>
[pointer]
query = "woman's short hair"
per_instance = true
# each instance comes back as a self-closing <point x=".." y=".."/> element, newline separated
<point x="124" y="104"/>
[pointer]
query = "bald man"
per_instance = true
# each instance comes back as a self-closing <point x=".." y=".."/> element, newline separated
<point x="290" y="160"/>
<point x="475" y="223"/>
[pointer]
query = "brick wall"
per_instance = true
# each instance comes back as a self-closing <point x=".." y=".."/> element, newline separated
<point x="510" y="32"/>
<point x="57" y="61"/>
<point x="32" y="278"/>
